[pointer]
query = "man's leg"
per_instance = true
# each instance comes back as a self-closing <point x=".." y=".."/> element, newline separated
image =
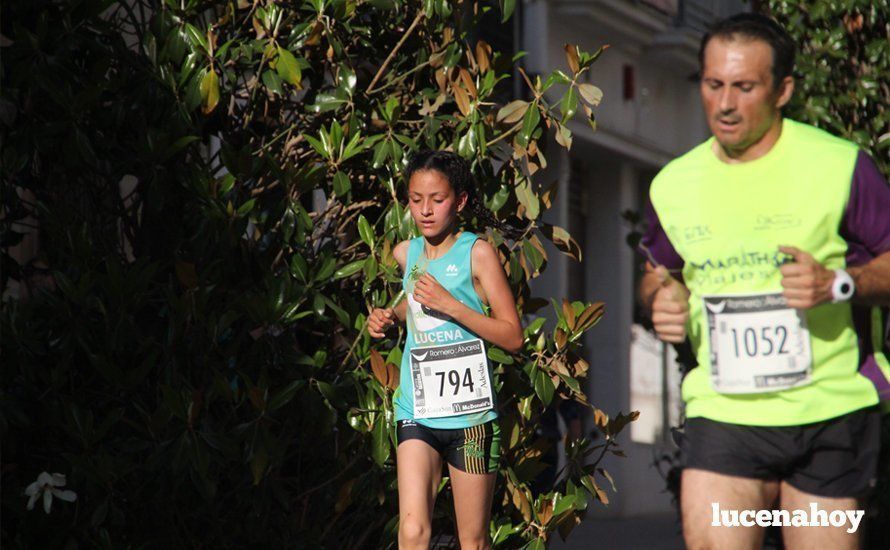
<point x="818" y="537"/>
<point x="700" y="489"/>
<point x="841" y="461"/>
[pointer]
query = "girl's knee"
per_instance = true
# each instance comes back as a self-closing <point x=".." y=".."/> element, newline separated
<point x="475" y="542"/>
<point x="414" y="533"/>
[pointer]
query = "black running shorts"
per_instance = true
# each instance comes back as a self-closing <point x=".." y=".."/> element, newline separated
<point x="474" y="450"/>
<point x="833" y="458"/>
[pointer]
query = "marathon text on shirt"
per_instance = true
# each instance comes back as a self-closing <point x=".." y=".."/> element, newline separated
<point x="741" y="259"/>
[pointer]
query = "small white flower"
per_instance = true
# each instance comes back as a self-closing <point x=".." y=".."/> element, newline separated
<point x="48" y="485"/>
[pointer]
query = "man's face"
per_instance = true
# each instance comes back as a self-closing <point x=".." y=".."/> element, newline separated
<point x="737" y="91"/>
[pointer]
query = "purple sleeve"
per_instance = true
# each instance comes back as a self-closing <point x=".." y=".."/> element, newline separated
<point x="866" y="222"/>
<point x="655" y="244"/>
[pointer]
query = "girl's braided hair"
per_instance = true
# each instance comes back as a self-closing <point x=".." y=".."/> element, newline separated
<point x="457" y="171"/>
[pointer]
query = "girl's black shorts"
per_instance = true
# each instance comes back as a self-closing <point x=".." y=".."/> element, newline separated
<point x="475" y="450"/>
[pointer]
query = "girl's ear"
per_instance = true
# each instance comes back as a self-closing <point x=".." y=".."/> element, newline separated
<point x="462" y="200"/>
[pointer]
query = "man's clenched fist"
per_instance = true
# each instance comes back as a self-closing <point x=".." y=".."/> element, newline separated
<point x="805" y="282"/>
<point x="670" y="307"/>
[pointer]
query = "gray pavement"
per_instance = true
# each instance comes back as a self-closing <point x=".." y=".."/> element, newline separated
<point x="655" y="532"/>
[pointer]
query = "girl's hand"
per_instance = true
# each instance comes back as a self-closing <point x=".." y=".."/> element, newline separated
<point x="380" y="321"/>
<point x="428" y="292"/>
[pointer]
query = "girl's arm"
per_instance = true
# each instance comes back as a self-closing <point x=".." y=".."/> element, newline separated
<point x="502" y="328"/>
<point x="399" y="310"/>
<point x="400" y="253"/>
<point x="381" y="319"/>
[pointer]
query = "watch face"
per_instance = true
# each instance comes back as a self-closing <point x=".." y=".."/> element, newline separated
<point x="843" y="288"/>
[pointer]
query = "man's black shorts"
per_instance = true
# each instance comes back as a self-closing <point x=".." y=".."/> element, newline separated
<point x="833" y="458"/>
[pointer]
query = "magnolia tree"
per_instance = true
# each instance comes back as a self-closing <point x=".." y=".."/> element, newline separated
<point x="842" y="65"/>
<point x="213" y="192"/>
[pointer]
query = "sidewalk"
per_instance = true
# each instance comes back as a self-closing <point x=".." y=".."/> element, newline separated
<point x="643" y="533"/>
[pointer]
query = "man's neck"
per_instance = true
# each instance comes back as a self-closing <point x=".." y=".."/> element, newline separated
<point x="753" y="151"/>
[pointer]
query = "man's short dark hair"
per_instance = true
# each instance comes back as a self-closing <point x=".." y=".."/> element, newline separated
<point x="754" y="26"/>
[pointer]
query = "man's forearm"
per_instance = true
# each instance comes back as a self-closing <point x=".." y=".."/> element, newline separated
<point x="872" y="281"/>
<point x="648" y="287"/>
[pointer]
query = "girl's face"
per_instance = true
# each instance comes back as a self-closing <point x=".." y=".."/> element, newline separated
<point x="434" y="204"/>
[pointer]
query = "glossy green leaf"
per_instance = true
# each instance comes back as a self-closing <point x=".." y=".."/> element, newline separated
<point x="326" y="269"/>
<point x="380" y="445"/>
<point x="272" y="82"/>
<point x="544" y="388"/>
<point x="507" y="7"/>
<point x="318" y="304"/>
<point x="288" y="68"/>
<point x="529" y="124"/>
<point x="498" y="355"/>
<point x="285" y="395"/>
<point x="196" y="37"/>
<point x="210" y="90"/>
<point x="246" y="207"/>
<point x="299" y="268"/>
<point x="342" y="186"/>
<point x="365" y="231"/>
<point x="499" y="198"/>
<point x="569" y="103"/>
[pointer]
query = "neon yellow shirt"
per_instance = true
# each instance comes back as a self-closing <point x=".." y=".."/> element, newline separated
<point x="726" y="222"/>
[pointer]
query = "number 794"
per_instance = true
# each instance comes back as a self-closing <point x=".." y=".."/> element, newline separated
<point x="454" y="380"/>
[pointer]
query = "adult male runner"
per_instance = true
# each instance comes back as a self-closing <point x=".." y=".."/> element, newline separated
<point x="769" y="248"/>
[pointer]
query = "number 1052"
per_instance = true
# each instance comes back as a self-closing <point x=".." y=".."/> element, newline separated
<point x="768" y="340"/>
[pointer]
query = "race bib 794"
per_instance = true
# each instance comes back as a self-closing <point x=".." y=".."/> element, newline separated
<point x="450" y="379"/>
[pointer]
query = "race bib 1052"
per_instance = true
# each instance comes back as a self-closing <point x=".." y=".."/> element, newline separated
<point x="758" y="344"/>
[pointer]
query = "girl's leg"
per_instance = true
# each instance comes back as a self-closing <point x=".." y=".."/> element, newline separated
<point x="419" y="468"/>
<point x="472" y="506"/>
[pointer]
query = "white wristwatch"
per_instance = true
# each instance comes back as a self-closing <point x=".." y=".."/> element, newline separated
<point x="843" y="287"/>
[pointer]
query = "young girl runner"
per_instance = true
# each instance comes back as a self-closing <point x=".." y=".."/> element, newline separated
<point x="445" y="405"/>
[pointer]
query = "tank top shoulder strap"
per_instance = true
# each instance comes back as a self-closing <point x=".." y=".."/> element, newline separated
<point x="466" y="242"/>
<point x="415" y="249"/>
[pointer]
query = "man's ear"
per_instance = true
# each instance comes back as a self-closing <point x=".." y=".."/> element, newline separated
<point x="786" y="89"/>
<point x="462" y="201"/>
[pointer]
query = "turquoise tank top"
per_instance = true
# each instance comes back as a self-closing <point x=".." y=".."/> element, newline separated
<point x="428" y="328"/>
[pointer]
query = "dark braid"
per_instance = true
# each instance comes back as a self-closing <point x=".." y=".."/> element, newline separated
<point x="457" y="171"/>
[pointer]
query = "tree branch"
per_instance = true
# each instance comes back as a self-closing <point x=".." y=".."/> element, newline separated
<point x="392" y="54"/>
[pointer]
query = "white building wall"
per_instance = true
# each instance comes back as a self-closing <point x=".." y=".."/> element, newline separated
<point x="633" y="140"/>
